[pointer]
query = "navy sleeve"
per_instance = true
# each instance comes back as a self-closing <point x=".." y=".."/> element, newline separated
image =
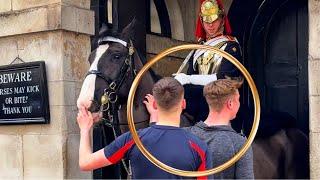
<point x="227" y="68"/>
<point x="118" y="148"/>
<point x="190" y="70"/>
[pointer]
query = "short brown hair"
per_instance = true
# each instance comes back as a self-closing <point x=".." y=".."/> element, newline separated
<point x="217" y="92"/>
<point x="167" y="92"/>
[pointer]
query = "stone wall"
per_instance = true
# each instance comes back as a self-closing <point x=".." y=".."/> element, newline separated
<point x="171" y="63"/>
<point x="314" y="87"/>
<point x="57" y="32"/>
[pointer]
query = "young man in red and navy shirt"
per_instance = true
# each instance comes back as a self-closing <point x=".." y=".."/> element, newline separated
<point x="165" y="140"/>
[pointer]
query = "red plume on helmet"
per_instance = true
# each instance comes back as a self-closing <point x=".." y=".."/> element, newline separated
<point x="200" y="32"/>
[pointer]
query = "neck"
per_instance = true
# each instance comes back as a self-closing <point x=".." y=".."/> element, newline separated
<point x="145" y="85"/>
<point x="214" y="36"/>
<point x="168" y="119"/>
<point x="140" y="114"/>
<point x="217" y="118"/>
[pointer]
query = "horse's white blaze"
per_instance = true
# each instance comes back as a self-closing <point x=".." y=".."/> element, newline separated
<point x="87" y="90"/>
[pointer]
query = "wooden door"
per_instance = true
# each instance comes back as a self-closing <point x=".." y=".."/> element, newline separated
<point x="277" y="57"/>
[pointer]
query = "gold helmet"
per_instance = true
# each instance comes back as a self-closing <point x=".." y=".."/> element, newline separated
<point x="210" y="11"/>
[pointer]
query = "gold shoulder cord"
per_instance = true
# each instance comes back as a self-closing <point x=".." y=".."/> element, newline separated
<point x="179" y="172"/>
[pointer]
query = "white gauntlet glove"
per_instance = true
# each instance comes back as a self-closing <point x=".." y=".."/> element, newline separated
<point x="195" y="79"/>
<point x="203" y="80"/>
<point x="182" y="78"/>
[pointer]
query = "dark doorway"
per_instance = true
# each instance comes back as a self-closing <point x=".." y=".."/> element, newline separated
<point x="275" y="45"/>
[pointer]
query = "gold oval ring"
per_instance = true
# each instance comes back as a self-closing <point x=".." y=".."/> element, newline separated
<point x="179" y="172"/>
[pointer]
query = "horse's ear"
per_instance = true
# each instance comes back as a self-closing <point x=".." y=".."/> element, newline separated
<point x="104" y="28"/>
<point x="129" y="31"/>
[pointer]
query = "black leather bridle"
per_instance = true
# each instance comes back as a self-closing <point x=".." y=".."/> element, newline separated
<point x="109" y="100"/>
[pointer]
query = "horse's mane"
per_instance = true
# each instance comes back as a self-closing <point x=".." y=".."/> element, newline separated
<point x="153" y="74"/>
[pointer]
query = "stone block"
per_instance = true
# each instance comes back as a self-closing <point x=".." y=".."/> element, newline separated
<point x="314" y="155"/>
<point x="189" y="14"/>
<point x="62" y="119"/>
<point x="5" y="5"/>
<point x="167" y="66"/>
<point x="57" y="125"/>
<point x="44" y="156"/>
<point x="15" y="22"/>
<point x="45" y="18"/>
<point x="77" y="20"/>
<point x="62" y="93"/>
<point x="69" y="15"/>
<point x="85" y="4"/>
<point x="85" y="21"/>
<point x="314" y="109"/>
<point x="76" y="50"/>
<point x="71" y="120"/>
<point x="157" y="44"/>
<point x="26" y="4"/>
<point x="73" y="171"/>
<point x="12" y="129"/>
<point x="176" y="20"/>
<point x="78" y="88"/>
<point x="11" y="163"/>
<point x="314" y="80"/>
<point x="56" y="93"/>
<point x="8" y="50"/>
<point x="65" y="53"/>
<point x="46" y="46"/>
<point x="314" y="28"/>
<point x="54" y="17"/>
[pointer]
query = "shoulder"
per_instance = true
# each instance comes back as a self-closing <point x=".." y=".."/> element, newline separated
<point x="194" y="140"/>
<point x="231" y="43"/>
<point x="238" y="139"/>
<point x="196" y="130"/>
<point x="233" y="47"/>
<point x="231" y="38"/>
<point x="232" y="135"/>
<point x="127" y="136"/>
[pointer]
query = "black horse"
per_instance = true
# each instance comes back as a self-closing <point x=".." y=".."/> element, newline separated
<point x="282" y="154"/>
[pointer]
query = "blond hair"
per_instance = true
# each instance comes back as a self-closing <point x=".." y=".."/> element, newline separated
<point x="218" y="92"/>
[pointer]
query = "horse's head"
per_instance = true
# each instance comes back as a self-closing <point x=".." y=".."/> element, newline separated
<point x="112" y="65"/>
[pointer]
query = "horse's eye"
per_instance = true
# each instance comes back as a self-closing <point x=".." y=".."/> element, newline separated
<point x="116" y="57"/>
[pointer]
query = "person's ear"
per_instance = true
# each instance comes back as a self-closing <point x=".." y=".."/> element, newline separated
<point x="230" y="103"/>
<point x="154" y="105"/>
<point x="184" y="104"/>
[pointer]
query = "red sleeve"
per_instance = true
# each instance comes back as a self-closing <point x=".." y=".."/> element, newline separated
<point x="115" y="151"/>
<point x="202" y="155"/>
